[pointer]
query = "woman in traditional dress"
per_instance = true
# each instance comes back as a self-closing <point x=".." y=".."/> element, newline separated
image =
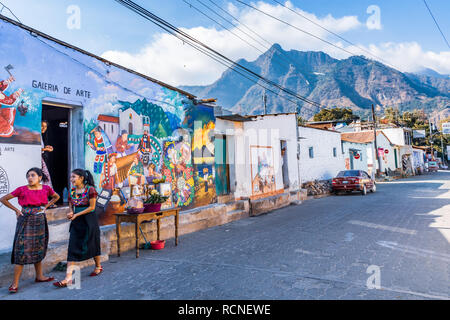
<point x="31" y="237"/>
<point x="84" y="240"/>
<point x="45" y="149"/>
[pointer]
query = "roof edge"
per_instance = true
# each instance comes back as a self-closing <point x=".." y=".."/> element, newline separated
<point x="44" y="35"/>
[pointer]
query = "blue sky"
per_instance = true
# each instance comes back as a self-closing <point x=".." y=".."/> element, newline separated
<point x="110" y="30"/>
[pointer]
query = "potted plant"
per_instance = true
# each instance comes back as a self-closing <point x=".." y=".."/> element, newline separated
<point x="153" y="201"/>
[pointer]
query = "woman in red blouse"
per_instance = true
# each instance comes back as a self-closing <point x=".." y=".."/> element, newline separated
<point x="84" y="241"/>
<point x="31" y="237"/>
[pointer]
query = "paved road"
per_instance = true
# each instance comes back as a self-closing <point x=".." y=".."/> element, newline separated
<point x="321" y="249"/>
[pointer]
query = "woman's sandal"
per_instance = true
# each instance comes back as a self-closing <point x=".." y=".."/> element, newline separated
<point x="94" y="274"/>
<point x="11" y="289"/>
<point x="46" y="280"/>
<point x="60" y="284"/>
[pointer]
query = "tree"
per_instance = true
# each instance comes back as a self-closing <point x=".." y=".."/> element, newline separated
<point x="300" y="121"/>
<point x="335" y="114"/>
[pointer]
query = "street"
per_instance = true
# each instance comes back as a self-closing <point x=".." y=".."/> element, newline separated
<point x="395" y="241"/>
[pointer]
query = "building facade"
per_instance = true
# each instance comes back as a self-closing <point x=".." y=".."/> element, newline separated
<point x="321" y="156"/>
<point x="124" y="127"/>
<point x="261" y="154"/>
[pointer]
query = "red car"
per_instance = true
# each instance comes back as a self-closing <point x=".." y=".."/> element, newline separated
<point x="353" y="180"/>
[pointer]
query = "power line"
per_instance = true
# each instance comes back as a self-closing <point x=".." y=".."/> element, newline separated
<point x="3" y="7"/>
<point x="195" y="8"/>
<point x="288" y="60"/>
<point x="191" y="40"/>
<point x="301" y="30"/>
<point x="437" y="24"/>
<point x="333" y="33"/>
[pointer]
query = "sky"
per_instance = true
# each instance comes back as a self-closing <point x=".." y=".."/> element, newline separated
<point x="401" y="33"/>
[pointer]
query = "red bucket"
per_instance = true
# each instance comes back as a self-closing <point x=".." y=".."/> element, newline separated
<point x="158" y="244"/>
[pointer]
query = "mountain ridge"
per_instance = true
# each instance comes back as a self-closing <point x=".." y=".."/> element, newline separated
<point x="355" y="82"/>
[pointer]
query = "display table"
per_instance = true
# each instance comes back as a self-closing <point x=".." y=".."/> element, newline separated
<point x="137" y="219"/>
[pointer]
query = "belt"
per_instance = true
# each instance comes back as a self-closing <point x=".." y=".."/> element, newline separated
<point x="31" y="210"/>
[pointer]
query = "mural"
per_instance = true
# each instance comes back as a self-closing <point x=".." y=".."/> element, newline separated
<point x="201" y="122"/>
<point x="135" y="130"/>
<point x="263" y="174"/>
<point x="17" y="118"/>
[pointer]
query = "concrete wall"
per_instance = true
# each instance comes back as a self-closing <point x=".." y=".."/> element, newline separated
<point x="323" y="165"/>
<point x="358" y="164"/>
<point x="264" y="131"/>
<point x="46" y="70"/>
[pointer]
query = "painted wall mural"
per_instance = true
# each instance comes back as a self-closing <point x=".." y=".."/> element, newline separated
<point x="134" y="130"/>
<point x="201" y="122"/>
<point x="263" y="173"/>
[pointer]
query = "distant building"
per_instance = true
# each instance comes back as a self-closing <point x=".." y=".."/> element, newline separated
<point x="387" y="151"/>
<point x="402" y="137"/>
<point x="321" y="155"/>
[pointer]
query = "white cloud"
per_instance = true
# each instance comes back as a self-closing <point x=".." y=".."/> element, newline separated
<point x="167" y="59"/>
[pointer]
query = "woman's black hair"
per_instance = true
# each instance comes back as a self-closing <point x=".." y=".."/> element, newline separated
<point x="88" y="179"/>
<point x="39" y="172"/>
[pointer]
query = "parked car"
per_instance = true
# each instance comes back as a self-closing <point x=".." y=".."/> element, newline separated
<point x="353" y="180"/>
<point x="433" y="166"/>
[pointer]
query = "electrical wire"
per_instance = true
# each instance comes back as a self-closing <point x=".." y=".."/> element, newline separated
<point x="3" y="7"/>
<point x="191" y="40"/>
<point x="301" y="30"/>
<point x="335" y="34"/>
<point x="437" y="24"/>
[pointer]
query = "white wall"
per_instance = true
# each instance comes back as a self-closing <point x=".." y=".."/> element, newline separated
<point x="395" y="135"/>
<point x="358" y="164"/>
<point x="15" y="160"/>
<point x="263" y="131"/>
<point x="388" y="159"/>
<point x="324" y="165"/>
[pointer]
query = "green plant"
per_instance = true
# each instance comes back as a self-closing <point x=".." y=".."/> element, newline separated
<point x="155" y="197"/>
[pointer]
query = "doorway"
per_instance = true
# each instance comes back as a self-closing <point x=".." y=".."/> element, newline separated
<point x="57" y="136"/>
<point x="221" y="165"/>
<point x="284" y="166"/>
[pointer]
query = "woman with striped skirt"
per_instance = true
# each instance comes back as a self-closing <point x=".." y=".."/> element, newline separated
<point x="31" y="237"/>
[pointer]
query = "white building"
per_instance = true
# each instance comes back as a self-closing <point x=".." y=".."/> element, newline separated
<point x="355" y="155"/>
<point x="254" y="153"/>
<point x="402" y="137"/>
<point x="321" y="155"/>
<point x="387" y="151"/>
<point x="418" y="159"/>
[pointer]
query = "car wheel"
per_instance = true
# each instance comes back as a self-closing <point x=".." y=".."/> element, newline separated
<point x="364" y="190"/>
<point x="374" y="188"/>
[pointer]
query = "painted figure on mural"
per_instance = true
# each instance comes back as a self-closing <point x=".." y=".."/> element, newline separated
<point x="100" y="149"/>
<point x="178" y="173"/>
<point x="136" y="172"/>
<point x="7" y="115"/>
<point x="110" y="178"/>
<point x="206" y="178"/>
<point x="151" y="173"/>
<point x="145" y="148"/>
<point x="122" y="144"/>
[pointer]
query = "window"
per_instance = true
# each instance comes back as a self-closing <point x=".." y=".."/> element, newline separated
<point x="334" y="152"/>
<point x="112" y="129"/>
<point x="311" y="152"/>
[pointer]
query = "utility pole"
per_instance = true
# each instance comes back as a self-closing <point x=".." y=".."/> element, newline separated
<point x="431" y="139"/>
<point x="375" y="141"/>
<point x="265" y="103"/>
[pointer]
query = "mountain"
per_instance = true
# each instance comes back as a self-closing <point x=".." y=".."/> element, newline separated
<point x="355" y="82"/>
